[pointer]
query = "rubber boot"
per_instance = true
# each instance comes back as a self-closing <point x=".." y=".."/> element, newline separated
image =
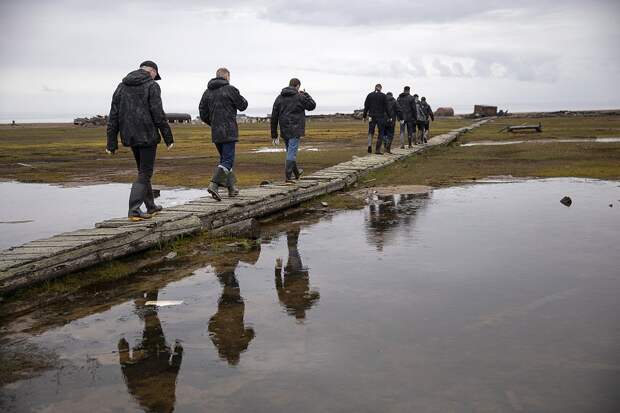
<point x="388" y="147"/>
<point x="231" y="180"/>
<point x="136" y="198"/>
<point x="219" y="179"/>
<point x="296" y="171"/>
<point x="409" y="138"/>
<point x="149" y="201"/>
<point x="288" y="171"/>
<point x="378" y="146"/>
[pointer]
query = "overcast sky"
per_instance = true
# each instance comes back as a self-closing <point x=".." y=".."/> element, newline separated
<point x="60" y="59"/>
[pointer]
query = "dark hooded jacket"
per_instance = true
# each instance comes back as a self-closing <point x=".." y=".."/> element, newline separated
<point x="428" y="111"/>
<point x="393" y="109"/>
<point x="289" y="110"/>
<point x="407" y="106"/>
<point x="218" y="109"/>
<point x="376" y="105"/>
<point x="137" y="113"/>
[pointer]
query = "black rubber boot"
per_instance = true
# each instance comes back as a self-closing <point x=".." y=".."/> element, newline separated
<point x="219" y="179"/>
<point x="136" y="199"/>
<point x="149" y="201"/>
<point x="388" y="147"/>
<point x="409" y="138"/>
<point x="378" y="146"/>
<point x="296" y="171"/>
<point x="288" y="171"/>
<point x="369" y="148"/>
<point x="231" y="180"/>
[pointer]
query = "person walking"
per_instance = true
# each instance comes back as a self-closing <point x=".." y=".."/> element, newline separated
<point x="420" y="120"/>
<point x="138" y="115"/>
<point x="289" y="111"/>
<point x="428" y="111"/>
<point x="407" y="124"/>
<point x="218" y="109"/>
<point x="393" y="112"/>
<point x="375" y="105"/>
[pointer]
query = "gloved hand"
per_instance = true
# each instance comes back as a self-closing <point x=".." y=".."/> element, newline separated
<point x="170" y="146"/>
<point x="276" y="141"/>
<point x="110" y="152"/>
<point x="402" y="122"/>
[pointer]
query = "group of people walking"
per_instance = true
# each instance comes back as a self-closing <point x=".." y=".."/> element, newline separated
<point x="138" y="116"/>
<point x="384" y="110"/>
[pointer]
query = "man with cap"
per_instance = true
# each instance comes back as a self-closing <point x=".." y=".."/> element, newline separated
<point x="375" y="105"/>
<point x="218" y="109"/>
<point x="420" y="119"/>
<point x="137" y="113"/>
<point x="429" y="117"/>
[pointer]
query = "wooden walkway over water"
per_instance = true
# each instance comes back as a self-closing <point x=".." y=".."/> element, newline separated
<point x="61" y="254"/>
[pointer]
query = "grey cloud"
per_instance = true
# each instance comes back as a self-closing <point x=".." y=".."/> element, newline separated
<point x="517" y="66"/>
<point x="48" y="89"/>
<point x="384" y="12"/>
<point x="385" y="69"/>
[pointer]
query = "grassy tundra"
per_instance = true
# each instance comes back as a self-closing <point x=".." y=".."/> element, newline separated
<point x="69" y="154"/>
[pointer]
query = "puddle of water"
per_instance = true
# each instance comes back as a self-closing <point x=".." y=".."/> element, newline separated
<point x="34" y="211"/>
<point x="282" y="149"/>
<point x="489" y="297"/>
<point x="515" y="142"/>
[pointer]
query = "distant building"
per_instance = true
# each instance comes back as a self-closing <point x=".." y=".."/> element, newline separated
<point x="483" y="110"/>
<point x="178" y="117"/>
<point x="444" y="112"/>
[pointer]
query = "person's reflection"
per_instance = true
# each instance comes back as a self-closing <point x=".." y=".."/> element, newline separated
<point x="151" y="370"/>
<point x="292" y="281"/>
<point x="389" y="212"/>
<point x="226" y="328"/>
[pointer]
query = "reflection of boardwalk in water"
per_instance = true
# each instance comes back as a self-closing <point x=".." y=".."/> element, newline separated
<point x="293" y="286"/>
<point x="150" y="370"/>
<point x="226" y="327"/>
<point x="392" y="213"/>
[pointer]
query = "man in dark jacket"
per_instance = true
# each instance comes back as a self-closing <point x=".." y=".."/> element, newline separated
<point x="289" y="111"/>
<point x="376" y="106"/>
<point x="218" y="109"/>
<point x="393" y="112"/>
<point x="138" y="115"/>
<point x="420" y="120"/>
<point x="407" y="123"/>
<point x="429" y="117"/>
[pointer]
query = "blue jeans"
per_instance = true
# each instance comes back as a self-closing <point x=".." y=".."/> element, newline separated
<point x="227" y="154"/>
<point x="292" y="146"/>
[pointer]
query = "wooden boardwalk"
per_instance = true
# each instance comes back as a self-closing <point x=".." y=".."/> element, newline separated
<point x="61" y="254"/>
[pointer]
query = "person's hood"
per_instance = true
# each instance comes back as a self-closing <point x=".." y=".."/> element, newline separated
<point x="137" y="77"/>
<point x="390" y="98"/>
<point x="217" y="83"/>
<point x="402" y="95"/>
<point x="289" y="91"/>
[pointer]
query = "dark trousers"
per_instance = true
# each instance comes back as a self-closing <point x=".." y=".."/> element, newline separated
<point x="376" y="123"/>
<point x="227" y="154"/>
<point x="389" y="131"/>
<point x="145" y="161"/>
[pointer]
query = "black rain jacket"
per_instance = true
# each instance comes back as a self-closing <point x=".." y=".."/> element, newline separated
<point x="137" y="113"/>
<point x="428" y="111"/>
<point x="289" y="110"/>
<point x="218" y="109"/>
<point x="376" y="105"/>
<point x="407" y="106"/>
<point x="393" y="109"/>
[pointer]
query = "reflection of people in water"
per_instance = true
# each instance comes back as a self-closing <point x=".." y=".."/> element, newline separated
<point x="226" y="328"/>
<point x="294" y="290"/>
<point x="151" y="370"/>
<point x="386" y="214"/>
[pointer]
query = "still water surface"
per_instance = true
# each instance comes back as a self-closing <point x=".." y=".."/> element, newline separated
<point x="482" y="298"/>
